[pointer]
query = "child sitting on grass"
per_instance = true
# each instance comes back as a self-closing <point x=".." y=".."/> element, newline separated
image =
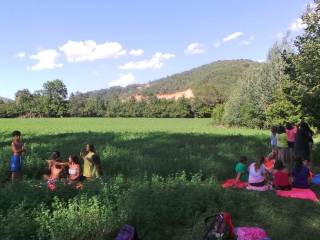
<point x="74" y="170"/>
<point x="55" y="169"/>
<point x="241" y="170"/>
<point x="300" y="174"/>
<point x="270" y="160"/>
<point x="258" y="176"/>
<point x="281" y="180"/>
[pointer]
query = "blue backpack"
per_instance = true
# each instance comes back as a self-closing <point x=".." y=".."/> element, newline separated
<point x="127" y="232"/>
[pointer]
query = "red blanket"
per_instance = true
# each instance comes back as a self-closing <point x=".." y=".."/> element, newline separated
<point x="230" y="183"/>
<point x="299" y="193"/>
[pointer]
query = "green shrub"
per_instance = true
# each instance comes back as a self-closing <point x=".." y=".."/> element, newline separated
<point x="217" y="114"/>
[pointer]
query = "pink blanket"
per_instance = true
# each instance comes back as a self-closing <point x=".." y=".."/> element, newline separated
<point x="250" y="233"/>
<point x="306" y="194"/>
<point x="230" y="183"/>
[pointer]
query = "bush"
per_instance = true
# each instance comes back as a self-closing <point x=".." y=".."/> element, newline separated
<point x="217" y="114"/>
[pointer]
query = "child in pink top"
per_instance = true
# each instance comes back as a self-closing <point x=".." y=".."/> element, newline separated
<point x="291" y="131"/>
<point x="291" y="134"/>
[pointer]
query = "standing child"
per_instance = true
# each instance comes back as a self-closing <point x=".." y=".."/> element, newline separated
<point x="241" y="170"/>
<point x="273" y="138"/>
<point x="282" y="144"/>
<point x="16" y="160"/>
<point x="291" y="131"/>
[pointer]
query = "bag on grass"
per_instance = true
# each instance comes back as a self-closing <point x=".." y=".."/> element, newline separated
<point x="127" y="232"/>
<point x="218" y="227"/>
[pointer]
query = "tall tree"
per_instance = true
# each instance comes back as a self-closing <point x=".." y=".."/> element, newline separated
<point x="307" y="65"/>
<point x="56" y="94"/>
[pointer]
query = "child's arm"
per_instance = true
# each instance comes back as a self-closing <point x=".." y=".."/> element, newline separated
<point x="63" y="164"/>
<point x="237" y="178"/>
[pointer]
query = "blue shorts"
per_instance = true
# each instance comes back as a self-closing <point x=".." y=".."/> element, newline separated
<point x="16" y="163"/>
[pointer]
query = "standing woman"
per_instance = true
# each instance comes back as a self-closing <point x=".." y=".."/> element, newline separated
<point x="303" y="142"/>
<point x="282" y="144"/>
<point x="91" y="163"/>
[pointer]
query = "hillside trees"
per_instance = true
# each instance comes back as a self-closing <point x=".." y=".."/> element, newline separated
<point x="258" y="100"/>
<point x="303" y="68"/>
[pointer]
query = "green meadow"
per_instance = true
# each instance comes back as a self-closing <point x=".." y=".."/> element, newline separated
<point x="161" y="175"/>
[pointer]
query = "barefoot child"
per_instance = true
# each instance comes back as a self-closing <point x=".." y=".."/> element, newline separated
<point x="16" y="160"/>
<point x="55" y="171"/>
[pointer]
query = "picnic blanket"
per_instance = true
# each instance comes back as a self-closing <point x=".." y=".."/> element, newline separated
<point x="250" y="233"/>
<point x="306" y="194"/>
<point x="230" y="183"/>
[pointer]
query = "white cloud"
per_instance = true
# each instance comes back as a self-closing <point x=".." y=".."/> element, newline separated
<point x="245" y="42"/>
<point x="80" y="51"/>
<point x="217" y="44"/>
<point x="46" y="60"/>
<point x="136" y="52"/>
<point x="21" y="55"/>
<point x="261" y="60"/>
<point x="298" y="25"/>
<point x="155" y="62"/>
<point x="280" y="35"/>
<point x="232" y="36"/>
<point x="194" y="48"/>
<point x="248" y="41"/>
<point x="123" y="81"/>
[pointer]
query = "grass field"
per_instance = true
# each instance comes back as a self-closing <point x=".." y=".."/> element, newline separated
<point x="162" y="175"/>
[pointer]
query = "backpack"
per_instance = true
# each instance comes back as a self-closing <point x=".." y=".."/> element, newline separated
<point x="127" y="232"/>
<point x="218" y="227"/>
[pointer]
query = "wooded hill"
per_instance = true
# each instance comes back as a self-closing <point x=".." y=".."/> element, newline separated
<point x="212" y="80"/>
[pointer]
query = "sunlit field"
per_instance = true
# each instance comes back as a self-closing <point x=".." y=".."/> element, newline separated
<point x="161" y="175"/>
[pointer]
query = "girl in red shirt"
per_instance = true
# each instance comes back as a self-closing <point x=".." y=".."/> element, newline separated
<point x="281" y="180"/>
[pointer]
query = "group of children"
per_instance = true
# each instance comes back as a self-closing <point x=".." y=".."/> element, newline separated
<point x="69" y="171"/>
<point x="287" y="166"/>
<point x="261" y="175"/>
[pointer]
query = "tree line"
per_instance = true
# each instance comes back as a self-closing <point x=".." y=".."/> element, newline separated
<point x="53" y="101"/>
<point x="284" y="89"/>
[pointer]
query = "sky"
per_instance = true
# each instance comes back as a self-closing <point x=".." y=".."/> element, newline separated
<point x="97" y="44"/>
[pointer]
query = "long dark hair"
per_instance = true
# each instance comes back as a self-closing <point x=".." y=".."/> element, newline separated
<point x="74" y="159"/>
<point x="97" y="162"/>
<point x="91" y="148"/>
<point x="278" y="165"/>
<point x="299" y="163"/>
<point x="259" y="163"/>
<point x="281" y="129"/>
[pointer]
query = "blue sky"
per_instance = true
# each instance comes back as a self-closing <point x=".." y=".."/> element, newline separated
<point x="97" y="44"/>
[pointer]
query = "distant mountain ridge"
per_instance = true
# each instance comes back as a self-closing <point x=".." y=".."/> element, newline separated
<point x="218" y="77"/>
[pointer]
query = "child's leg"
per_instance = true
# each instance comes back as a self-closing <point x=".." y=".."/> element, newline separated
<point x="14" y="176"/>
